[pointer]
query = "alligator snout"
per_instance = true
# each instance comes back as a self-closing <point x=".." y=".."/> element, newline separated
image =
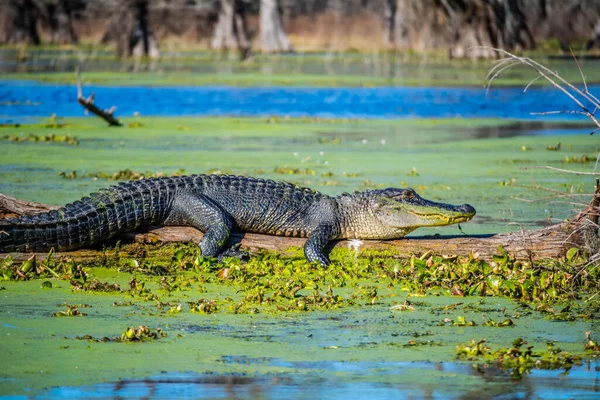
<point x="466" y="209"/>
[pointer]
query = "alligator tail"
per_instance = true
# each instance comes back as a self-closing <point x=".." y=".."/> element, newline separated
<point x="90" y="220"/>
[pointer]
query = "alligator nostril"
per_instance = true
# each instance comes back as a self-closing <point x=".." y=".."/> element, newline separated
<point x="467" y="209"/>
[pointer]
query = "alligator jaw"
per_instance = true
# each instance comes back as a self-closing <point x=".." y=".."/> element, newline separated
<point x="444" y="219"/>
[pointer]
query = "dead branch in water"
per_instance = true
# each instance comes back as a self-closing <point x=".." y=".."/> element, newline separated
<point x="88" y="104"/>
<point x="547" y="243"/>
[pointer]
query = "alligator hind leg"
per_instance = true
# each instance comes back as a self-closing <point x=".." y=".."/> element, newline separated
<point x="317" y="240"/>
<point x="205" y="215"/>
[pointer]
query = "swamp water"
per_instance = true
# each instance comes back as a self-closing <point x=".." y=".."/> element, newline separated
<point x="366" y="349"/>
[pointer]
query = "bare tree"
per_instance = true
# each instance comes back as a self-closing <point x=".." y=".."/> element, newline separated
<point x="272" y="36"/>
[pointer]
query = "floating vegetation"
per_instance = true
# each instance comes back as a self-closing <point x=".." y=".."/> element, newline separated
<point x="518" y="360"/>
<point x="584" y="159"/>
<point x="285" y="170"/>
<point x="509" y="182"/>
<point x="203" y="306"/>
<point x="132" y="334"/>
<point x="72" y="310"/>
<point x="459" y="321"/>
<point x="274" y="283"/>
<point x="122" y="175"/>
<point x="53" y="122"/>
<point x="51" y="138"/>
<point x="331" y="140"/>
<point x="499" y="324"/>
<point x="141" y="334"/>
<point x="551" y="147"/>
<point x="95" y="286"/>
<point x="31" y="269"/>
<point x="413" y="172"/>
<point x="20" y="103"/>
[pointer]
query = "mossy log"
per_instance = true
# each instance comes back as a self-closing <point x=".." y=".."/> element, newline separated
<point x="546" y="243"/>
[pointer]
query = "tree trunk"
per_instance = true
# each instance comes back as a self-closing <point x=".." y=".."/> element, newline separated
<point x="547" y="243"/>
<point x="230" y="31"/>
<point x="462" y="26"/>
<point x="130" y="31"/>
<point x="595" y="37"/>
<point x="20" y="24"/>
<point x="272" y="36"/>
<point x="391" y="8"/>
<point x="140" y="40"/>
<point x="119" y="30"/>
<point x="60" y="21"/>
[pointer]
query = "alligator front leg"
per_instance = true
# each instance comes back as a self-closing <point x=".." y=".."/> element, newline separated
<point x="316" y="242"/>
<point x="205" y="215"/>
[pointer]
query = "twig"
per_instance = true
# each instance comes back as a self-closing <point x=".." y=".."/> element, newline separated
<point x="585" y="87"/>
<point x="89" y="105"/>
<point x="562" y="170"/>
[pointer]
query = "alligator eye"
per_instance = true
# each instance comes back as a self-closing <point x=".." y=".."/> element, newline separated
<point x="408" y="194"/>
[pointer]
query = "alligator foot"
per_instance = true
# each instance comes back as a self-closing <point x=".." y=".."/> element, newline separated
<point x="234" y="251"/>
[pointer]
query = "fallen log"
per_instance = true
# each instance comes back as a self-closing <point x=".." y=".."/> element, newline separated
<point x="546" y="243"/>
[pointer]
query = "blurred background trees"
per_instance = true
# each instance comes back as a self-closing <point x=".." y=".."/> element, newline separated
<point x="140" y="27"/>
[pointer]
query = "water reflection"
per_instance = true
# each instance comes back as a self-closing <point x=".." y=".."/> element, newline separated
<point x="357" y="380"/>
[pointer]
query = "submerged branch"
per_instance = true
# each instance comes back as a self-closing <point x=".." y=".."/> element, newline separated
<point x="88" y="104"/>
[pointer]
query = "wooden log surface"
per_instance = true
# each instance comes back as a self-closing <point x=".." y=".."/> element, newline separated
<point x="547" y="243"/>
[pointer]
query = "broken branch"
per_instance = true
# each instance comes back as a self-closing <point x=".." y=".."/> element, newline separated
<point x="88" y="104"/>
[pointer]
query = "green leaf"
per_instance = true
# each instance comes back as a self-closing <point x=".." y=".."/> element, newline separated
<point x="572" y="253"/>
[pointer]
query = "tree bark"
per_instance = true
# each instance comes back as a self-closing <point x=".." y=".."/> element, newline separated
<point x="20" y="25"/>
<point x="272" y="36"/>
<point x="546" y="243"/>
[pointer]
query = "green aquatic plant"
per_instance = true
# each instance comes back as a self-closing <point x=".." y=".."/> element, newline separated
<point x="132" y="334"/>
<point x="516" y="359"/>
<point x="72" y="310"/>
<point x="51" y="138"/>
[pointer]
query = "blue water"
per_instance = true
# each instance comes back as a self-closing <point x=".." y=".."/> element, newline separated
<point x="580" y="383"/>
<point x="22" y="99"/>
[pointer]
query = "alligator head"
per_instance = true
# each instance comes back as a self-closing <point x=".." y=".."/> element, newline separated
<point x="404" y="210"/>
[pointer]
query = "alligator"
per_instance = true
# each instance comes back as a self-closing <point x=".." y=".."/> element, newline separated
<point x="221" y="204"/>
